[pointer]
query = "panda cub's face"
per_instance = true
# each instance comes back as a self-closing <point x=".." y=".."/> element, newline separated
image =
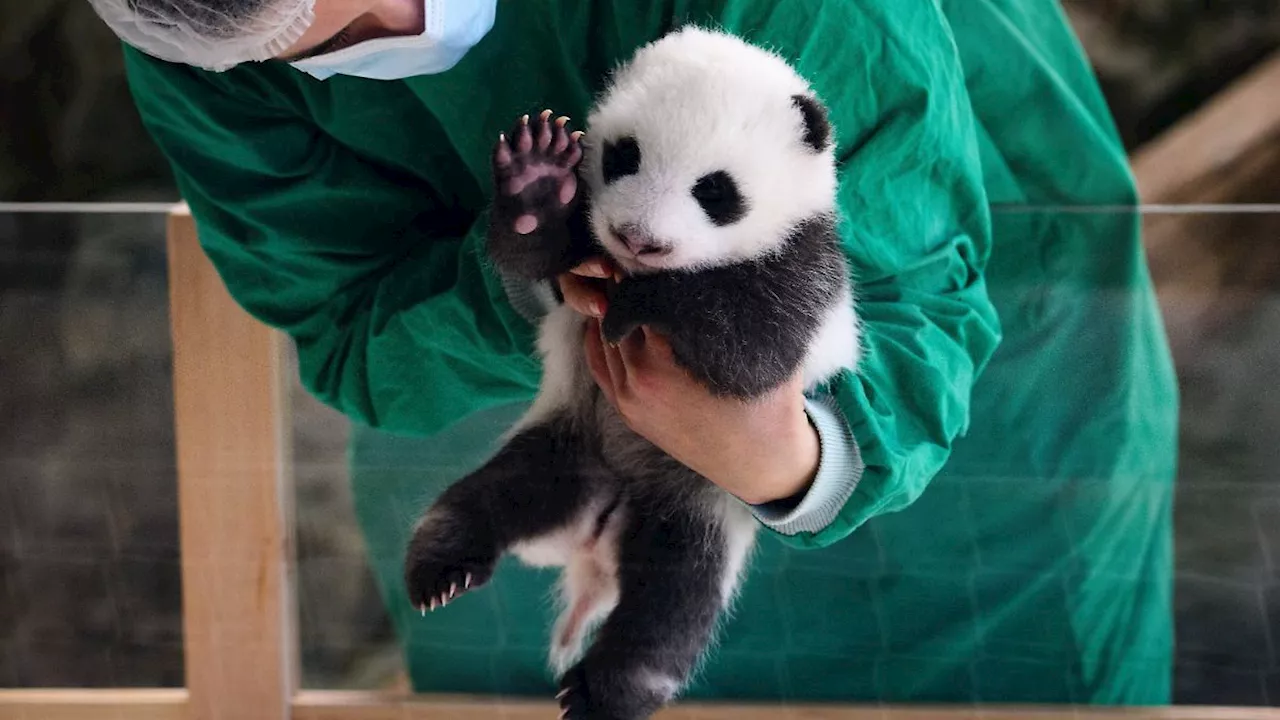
<point x="706" y="150"/>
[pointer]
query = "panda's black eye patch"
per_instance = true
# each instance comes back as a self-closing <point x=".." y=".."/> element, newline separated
<point x="718" y="195"/>
<point x="620" y="159"/>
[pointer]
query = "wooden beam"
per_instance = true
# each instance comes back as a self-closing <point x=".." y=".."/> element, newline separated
<point x="93" y="704"/>
<point x="1194" y="156"/>
<point x="326" y="705"/>
<point x="233" y="495"/>
<point x="339" y="705"/>
<point x="1208" y="267"/>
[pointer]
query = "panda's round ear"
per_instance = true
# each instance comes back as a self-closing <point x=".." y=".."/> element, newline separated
<point x="817" y="128"/>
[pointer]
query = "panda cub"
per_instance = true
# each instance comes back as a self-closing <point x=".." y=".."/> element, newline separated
<point x="707" y="175"/>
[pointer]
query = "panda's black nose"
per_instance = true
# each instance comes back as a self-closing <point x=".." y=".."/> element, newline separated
<point x="641" y="243"/>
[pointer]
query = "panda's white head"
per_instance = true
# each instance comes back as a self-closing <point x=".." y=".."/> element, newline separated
<point x="705" y="150"/>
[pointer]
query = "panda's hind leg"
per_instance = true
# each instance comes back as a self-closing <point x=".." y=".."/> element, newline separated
<point x="671" y="573"/>
<point x="535" y="230"/>
<point x="532" y="487"/>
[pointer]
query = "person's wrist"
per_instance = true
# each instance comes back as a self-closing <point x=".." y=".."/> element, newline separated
<point x="794" y="463"/>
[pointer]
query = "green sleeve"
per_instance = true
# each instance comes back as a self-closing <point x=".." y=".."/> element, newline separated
<point x="916" y="228"/>
<point x="397" y="321"/>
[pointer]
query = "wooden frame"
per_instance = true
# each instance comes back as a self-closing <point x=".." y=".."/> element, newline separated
<point x="1200" y="159"/>
<point x="1210" y="267"/>
<point x="235" y="492"/>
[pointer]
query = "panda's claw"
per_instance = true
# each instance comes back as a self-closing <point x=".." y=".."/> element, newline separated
<point x="502" y="152"/>
<point x="544" y="131"/>
<point x="561" y="139"/>
<point x="524" y="138"/>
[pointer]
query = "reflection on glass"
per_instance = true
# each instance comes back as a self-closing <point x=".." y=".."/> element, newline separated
<point x="984" y="614"/>
<point x="88" y="534"/>
<point x="89" y="578"/>
<point x="89" y="585"/>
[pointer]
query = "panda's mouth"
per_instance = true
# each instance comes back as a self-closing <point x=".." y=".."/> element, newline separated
<point x="637" y="249"/>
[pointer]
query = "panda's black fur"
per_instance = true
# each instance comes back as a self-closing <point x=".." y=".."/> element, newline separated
<point x="652" y="551"/>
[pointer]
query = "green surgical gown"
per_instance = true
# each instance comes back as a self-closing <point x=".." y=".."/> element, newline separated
<point x="1010" y="536"/>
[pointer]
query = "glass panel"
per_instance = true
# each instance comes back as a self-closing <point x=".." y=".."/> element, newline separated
<point x="89" y="587"/>
<point x="1220" y="280"/>
<point x="88" y="535"/>
<point x="999" y="584"/>
<point x="89" y="578"/>
<point x="344" y="630"/>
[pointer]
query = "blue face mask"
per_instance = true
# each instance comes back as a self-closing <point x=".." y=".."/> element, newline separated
<point x="452" y="28"/>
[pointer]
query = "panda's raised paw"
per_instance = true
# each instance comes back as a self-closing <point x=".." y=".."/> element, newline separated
<point x="535" y="170"/>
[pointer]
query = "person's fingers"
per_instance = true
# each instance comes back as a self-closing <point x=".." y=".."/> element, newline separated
<point x="598" y="362"/>
<point x="583" y="296"/>
<point x="618" y="371"/>
<point x="648" y="357"/>
<point x="595" y="268"/>
<point x="657" y="346"/>
<point x="634" y="353"/>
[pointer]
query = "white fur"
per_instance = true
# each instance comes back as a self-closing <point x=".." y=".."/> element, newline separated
<point x="740" y="537"/>
<point x="588" y="588"/>
<point x="697" y="102"/>
<point x="660" y="684"/>
<point x="564" y="371"/>
<point x="838" y="345"/>
<point x="589" y="591"/>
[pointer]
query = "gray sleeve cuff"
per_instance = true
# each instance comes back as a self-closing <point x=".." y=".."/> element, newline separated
<point x="839" y="470"/>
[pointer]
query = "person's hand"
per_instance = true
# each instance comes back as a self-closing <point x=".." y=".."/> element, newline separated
<point x="760" y="451"/>
<point x="583" y="289"/>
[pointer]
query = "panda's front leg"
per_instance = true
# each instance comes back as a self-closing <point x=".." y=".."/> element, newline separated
<point x="672" y="579"/>
<point x="537" y="227"/>
<point x="735" y="335"/>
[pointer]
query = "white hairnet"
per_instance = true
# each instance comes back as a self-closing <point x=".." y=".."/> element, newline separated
<point x="210" y="34"/>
